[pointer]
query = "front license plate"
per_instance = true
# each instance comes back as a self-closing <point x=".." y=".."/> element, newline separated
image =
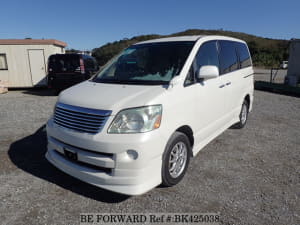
<point x="70" y="154"/>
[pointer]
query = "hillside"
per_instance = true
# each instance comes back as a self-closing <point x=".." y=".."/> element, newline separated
<point x="265" y="52"/>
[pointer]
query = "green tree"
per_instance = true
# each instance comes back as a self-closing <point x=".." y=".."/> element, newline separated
<point x="265" y="52"/>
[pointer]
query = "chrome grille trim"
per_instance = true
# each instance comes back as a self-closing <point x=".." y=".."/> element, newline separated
<point x="73" y="116"/>
<point x="80" y="119"/>
<point x="77" y="114"/>
<point x="62" y="117"/>
<point x="77" y="124"/>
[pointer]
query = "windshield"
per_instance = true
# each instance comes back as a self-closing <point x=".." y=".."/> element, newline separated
<point x="153" y="63"/>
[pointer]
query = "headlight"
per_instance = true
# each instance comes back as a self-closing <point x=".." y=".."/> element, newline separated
<point x="136" y="120"/>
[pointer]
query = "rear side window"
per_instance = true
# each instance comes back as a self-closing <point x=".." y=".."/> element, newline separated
<point x="64" y="63"/>
<point x="228" y="57"/>
<point x="244" y="56"/>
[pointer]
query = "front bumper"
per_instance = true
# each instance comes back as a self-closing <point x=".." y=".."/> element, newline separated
<point x="103" y="159"/>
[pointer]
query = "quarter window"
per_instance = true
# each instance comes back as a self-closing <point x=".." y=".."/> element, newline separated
<point x="3" y="62"/>
<point x="228" y="57"/>
<point x="245" y="59"/>
<point x="190" y="78"/>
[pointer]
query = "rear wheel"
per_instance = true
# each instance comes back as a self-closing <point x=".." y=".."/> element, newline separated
<point x="176" y="159"/>
<point x="243" y="116"/>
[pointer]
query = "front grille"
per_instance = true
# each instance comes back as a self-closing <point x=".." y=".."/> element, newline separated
<point x="80" y="119"/>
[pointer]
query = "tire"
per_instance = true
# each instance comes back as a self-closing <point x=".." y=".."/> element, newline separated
<point x="243" y="117"/>
<point x="57" y="91"/>
<point x="178" y="150"/>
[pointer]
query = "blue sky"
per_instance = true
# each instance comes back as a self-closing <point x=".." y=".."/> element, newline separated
<point x="87" y="24"/>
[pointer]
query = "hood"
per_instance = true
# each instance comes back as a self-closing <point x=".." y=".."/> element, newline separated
<point x="113" y="97"/>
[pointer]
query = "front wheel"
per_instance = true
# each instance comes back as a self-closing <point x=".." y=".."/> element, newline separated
<point x="176" y="159"/>
<point x="243" y="116"/>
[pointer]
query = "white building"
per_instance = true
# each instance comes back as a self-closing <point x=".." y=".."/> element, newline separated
<point x="23" y="62"/>
<point x="293" y="73"/>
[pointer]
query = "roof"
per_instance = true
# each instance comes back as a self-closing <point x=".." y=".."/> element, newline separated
<point x="188" y="38"/>
<point x="169" y="39"/>
<point x="32" y="42"/>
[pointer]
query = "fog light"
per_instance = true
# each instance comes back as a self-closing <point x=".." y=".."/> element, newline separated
<point x="132" y="154"/>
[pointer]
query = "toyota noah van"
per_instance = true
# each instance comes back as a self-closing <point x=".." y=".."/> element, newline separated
<point x="137" y="122"/>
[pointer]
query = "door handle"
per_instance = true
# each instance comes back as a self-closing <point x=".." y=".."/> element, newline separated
<point x="221" y="86"/>
<point x="228" y="83"/>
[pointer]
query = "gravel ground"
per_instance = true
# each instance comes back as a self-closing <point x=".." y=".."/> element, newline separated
<point x="249" y="176"/>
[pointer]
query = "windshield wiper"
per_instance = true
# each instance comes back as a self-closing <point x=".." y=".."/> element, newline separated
<point x="139" y="82"/>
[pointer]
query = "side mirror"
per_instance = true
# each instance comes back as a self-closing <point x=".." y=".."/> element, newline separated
<point x="207" y="72"/>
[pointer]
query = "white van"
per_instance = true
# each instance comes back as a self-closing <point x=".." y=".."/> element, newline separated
<point x="136" y="124"/>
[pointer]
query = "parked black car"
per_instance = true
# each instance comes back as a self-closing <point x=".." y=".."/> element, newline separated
<point x="66" y="70"/>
